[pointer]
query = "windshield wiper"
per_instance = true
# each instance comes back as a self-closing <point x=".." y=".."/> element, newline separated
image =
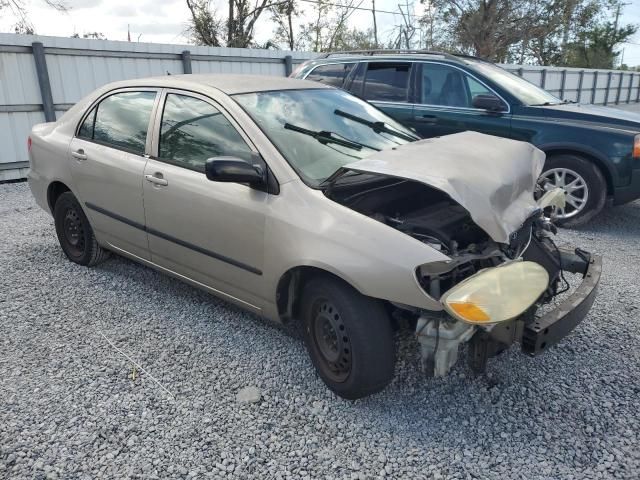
<point x="378" y="127"/>
<point x="325" y="137"/>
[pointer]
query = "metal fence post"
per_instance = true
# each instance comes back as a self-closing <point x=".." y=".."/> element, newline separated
<point x="630" y="88"/>
<point x="606" y="94"/>
<point x="288" y="65"/>
<point x="563" y="83"/>
<point x="619" y="87"/>
<point x="580" y="80"/>
<point x="543" y="80"/>
<point x="43" y="80"/>
<point x="638" y="94"/>
<point x="595" y="87"/>
<point x="521" y="72"/>
<point x="186" y="61"/>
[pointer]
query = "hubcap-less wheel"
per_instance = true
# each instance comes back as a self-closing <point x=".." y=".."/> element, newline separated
<point x="74" y="232"/>
<point x="331" y="340"/>
<point x="575" y="189"/>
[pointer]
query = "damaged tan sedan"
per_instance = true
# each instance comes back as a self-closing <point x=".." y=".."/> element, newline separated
<point x="302" y="203"/>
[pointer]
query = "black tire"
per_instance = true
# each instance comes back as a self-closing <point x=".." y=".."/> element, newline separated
<point x="594" y="179"/>
<point x="75" y="234"/>
<point x="349" y="337"/>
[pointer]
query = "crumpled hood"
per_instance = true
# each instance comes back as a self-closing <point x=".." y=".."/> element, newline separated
<point x="493" y="178"/>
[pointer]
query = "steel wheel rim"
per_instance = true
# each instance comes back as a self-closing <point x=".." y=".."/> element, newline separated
<point x="331" y="341"/>
<point x="73" y="231"/>
<point x="575" y="188"/>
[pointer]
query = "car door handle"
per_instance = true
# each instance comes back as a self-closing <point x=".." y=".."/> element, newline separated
<point x="425" y="118"/>
<point x="79" y="154"/>
<point x="156" y="179"/>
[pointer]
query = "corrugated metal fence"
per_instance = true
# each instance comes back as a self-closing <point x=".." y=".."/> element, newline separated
<point x="40" y="77"/>
<point x="603" y="87"/>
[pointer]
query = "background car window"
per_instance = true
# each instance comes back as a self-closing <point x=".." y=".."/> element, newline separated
<point x="444" y="85"/>
<point x="122" y="120"/>
<point x="331" y="74"/>
<point x="86" y="130"/>
<point x="476" y="88"/>
<point x="387" y="81"/>
<point x="193" y="131"/>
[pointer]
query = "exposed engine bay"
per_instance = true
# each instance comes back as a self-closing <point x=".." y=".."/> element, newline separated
<point x="432" y="217"/>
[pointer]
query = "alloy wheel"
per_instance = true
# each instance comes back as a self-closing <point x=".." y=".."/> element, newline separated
<point x="575" y="189"/>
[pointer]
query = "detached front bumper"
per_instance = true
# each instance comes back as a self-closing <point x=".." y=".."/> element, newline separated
<point x="543" y="332"/>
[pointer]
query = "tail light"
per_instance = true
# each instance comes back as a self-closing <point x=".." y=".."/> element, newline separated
<point x="636" y="146"/>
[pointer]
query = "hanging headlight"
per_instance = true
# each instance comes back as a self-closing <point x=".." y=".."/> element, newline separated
<point x="496" y="294"/>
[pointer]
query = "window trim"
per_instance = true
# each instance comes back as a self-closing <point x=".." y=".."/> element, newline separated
<point x="96" y="103"/>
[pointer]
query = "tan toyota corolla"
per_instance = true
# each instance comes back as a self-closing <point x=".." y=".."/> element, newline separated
<point x="303" y="203"/>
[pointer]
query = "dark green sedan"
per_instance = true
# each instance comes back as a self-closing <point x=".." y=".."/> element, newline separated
<point x="593" y="152"/>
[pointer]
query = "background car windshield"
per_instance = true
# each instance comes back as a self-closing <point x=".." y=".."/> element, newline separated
<point x="527" y="93"/>
<point x="314" y="110"/>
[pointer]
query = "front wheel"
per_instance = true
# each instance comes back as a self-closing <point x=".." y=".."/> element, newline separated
<point x="584" y="186"/>
<point x="348" y="336"/>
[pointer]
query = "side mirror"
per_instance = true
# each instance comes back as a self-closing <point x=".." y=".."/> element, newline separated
<point x="233" y="169"/>
<point x="488" y="102"/>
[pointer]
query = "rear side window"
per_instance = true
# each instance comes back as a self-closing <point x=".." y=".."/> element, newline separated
<point x="121" y="120"/>
<point x="333" y="75"/>
<point x="387" y="82"/>
<point x="193" y="131"/>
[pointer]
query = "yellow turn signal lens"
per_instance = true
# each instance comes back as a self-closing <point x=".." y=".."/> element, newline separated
<point x="496" y="294"/>
<point x="471" y="312"/>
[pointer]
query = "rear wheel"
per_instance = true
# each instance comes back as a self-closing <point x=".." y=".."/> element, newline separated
<point x="348" y="336"/>
<point x="584" y="186"/>
<point x="74" y="232"/>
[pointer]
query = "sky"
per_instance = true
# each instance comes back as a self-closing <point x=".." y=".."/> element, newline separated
<point x="165" y="21"/>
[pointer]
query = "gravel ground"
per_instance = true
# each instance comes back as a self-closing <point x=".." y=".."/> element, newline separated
<point x="72" y="406"/>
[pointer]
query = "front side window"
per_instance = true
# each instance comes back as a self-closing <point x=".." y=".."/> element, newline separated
<point x="387" y="82"/>
<point x="333" y="75"/>
<point x="320" y="130"/>
<point x="193" y="131"/>
<point x="444" y="85"/>
<point x="121" y="121"/>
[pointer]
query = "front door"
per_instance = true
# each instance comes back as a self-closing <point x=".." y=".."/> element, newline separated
<point x="107" y="158"/>
<point x="210" y="232"/>
<point x="444" y="103"/>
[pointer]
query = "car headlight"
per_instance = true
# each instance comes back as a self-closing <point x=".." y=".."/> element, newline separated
<point x="496" y="294"/>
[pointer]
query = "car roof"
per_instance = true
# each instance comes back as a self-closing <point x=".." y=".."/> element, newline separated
<point x="227" y="83"/>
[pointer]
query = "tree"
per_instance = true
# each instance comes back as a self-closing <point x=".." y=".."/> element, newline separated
<point x="18" y="9"/>
<point x="329" y="30"/>
<point x="205" y="27"/>
<point x="282" y="14"/>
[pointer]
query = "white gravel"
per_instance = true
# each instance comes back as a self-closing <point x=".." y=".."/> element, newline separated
<point x="71" y="406"/>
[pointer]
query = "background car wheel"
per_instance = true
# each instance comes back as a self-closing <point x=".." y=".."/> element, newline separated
<point x="349" y="337"/>
<point x="584" y="186"/>
<point x="75" y="233"/>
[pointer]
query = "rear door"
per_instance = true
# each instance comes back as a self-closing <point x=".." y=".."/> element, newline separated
<point x="444" y="96"/>
<point x="387" y="85"/>
<point x="107" y="158"/>
<point x="210" y="232"/>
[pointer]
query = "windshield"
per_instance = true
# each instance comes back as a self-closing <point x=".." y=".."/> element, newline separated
<point x="319" y="131"/>
<point x="526" y="92"/>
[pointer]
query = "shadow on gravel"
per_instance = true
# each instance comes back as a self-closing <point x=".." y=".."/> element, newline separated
<point x="620" y="221"/>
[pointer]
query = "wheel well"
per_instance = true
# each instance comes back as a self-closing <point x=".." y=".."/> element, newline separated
<point x="54" y="191"/>
<point x="290" y="287"/>
<point x="599" y="163"/>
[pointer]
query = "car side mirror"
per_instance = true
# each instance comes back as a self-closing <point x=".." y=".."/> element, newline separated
<point x="233" y="169"/>
<point x="488" y="102"/>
